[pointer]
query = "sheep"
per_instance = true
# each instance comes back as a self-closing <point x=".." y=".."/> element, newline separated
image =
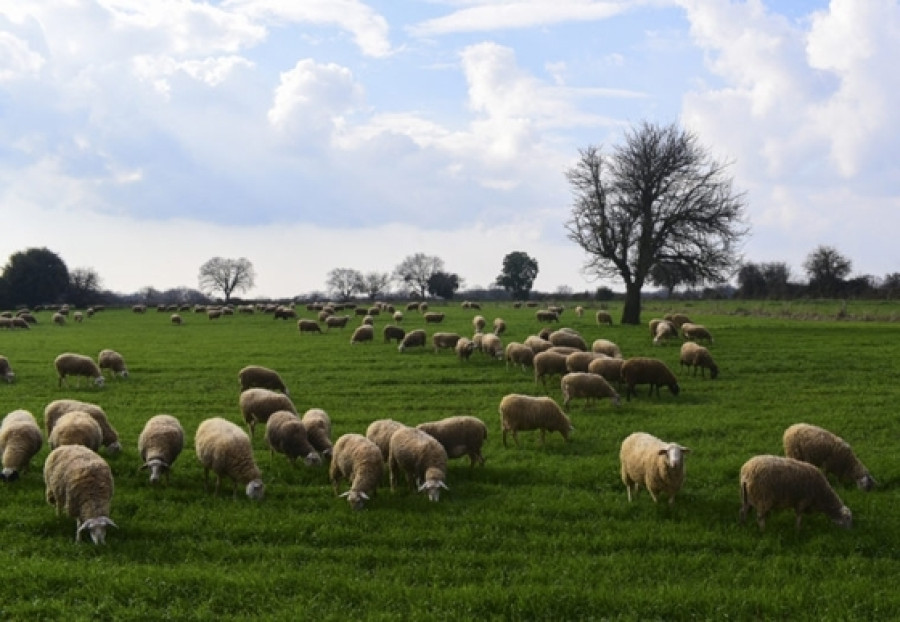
<point x="20" y="440"/>
<point x="545" y="315"/>
<point x="588" y="386"/>
<point x="520" y="413"/>
<point x="579" y="310"/>
<point x="421" y="458"/>
<point x="59" y="319"/>
<point x="665" y="330"/>
<point x="464" y="348"/>
<point x="318" y="430"/>
<point x="499" y="326"/>
<point x="176" y="319"/>
<point x="645" y="370"/>
<point x="653" y="325"/>
<point x="78" y="316"/>
<point x="775" y="483"/>
<point x="603" y="317"/>
<point x="214" y="314"/>
<point x="368" y="320"/>
<point x="477" y="338"/>
<point x="224" y="448"/>
<point x="393" y="333"/>
<point x="434" y="317"/>
<point x="80" y="482"/>
<point x="519" y="354"/>
<point x="696" y="356"/>
<point x="76" y="428"/>
<point x="257" y="405"/>
<point x="656" y="464"/>
<point x="358" y="460"/>
<point x="57" y="408"/>
<point x="579" y="360"/>
<point x="678" y="319"/>
<point x="610" y="369"/>
<point x="412" y="339"/>
<point x="478" y="323"/>
<point x="537" y="344"/>
<point x="461" y="435"/>
<point x="380" y="432"/>
<point x="695" y="332"/>
<point x="567" y="338"/>
<point x="398" y="316"/>
<point x="444" y="340"/>
<point x="261" y="377"/>
<point x="70" y="364"/>
<point x="827" y="451"/>
<point x="607" y="347"/>
<point x="308" y="326"/>
<point x="159" y="445"/>
<point x="336" y="321"/>
<point x="6" y="371"/>
<point x="549" y="364"/>
<point x="491" y="346"/>
<point x="422" y="307"/>
<point x="286" y="434"/>
<point x="113" y="361"/>
<point x="364" y="332"/>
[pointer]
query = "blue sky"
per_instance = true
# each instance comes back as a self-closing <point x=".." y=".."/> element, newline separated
<point x="140" y="139"/>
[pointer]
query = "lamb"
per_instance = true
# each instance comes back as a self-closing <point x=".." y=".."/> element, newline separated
<point x="261" y="377"/>
<point x="567" y="338"/>
<point x="519" y="354"/>
<point x="412" y="339"/>
<point x="113" y="361"/>
<point x="286" y="434"/>
<point x="610" y="369"/>
<point x="491" y="346"/>
<point x="76" y="428"/>
<point x="308" y="326"/>
<point x="364" y="332"/>
<point x="358" y="460"/>
<point x="393" y="333"/>
<point x="70" y="364"/>
<point x="258" y="404"/>
<point x="318" y="430"/>
<point x="665" y="330"/>
<point x="549" y="364"/>
<point x="644" y="370"/>
<point x="444" y="340"/>
<point x="588" y="386"/>
<point x="6" y="371"/>
<point x="478" y="323"/>
<point x="580" y="360"/>
<point x="696" y="356"/>
<point x="464" y="348"/>
<point x="537" y="344"/>
<point x="433" y="317"/>
<point x="603" y="317"/>
<point x="380" y="432"/>
<point x="656" y="464"/>
<point x="20" y="440"/>
<point x="80" y="482"/>
<point x="421" y="458"/>
<point x="696" y="332"/>
<point x="224" y="448"/>
<point x="827" y="451"/>
<point x="607" y="347"/>
<point x="159" y="445"/>
<point x="57" y="408"/>
<point x="774" y="483"/>
<point x="520" y="413"/>
<point x="461" y="435"/>
<point x="499" y="326"/>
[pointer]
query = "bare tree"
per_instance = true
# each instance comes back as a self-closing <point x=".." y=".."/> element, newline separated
<point x="375" y="283"/>
<point x="226" y="276"/>
<point x="658" y="199"/>
<point x="84" y="286"/>
<point x="416" y="270"/>
<point x="826" y="269"/>
<point x="344" y="282"/>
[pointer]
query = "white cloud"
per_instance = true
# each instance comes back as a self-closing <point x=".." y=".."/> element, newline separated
<point x="16" y="58"/>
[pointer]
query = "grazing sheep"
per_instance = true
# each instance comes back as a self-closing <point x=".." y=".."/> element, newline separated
<point x="398" y="316"/>
<point x="775" y="483"/>
<point x="696" y="356"/>
<point x="665" y="330"/>
<point x="214" y="314"/>
<point x="80" y="482"/>
<point x="580" y="360"/>
<point x="70" y="364"/>
<point x="644" y="370"/>
<point x="421" y="458"/>
<point x="461" y="435"/>
<point x="607" y="347"/>
<point x="549" y="364"/>
<point x="336" y="321"/>
<point x="318" y="430"/>
<point x="261" y="377"/>
<point x="477" y="338"/>
<point x="258" y="404"/>
<point x="434" y="317"/>
<point x="653" y="325"/>
<point x="286" y="434"/>
<point x="76" y="428"/>
<point x="537" y="344"/>
<point x="610" y="369"/>
<point x="422" y="307"/>
<point x="380" y="432"/>
<point x="444" y="341"/>
<point x="368" y="320"/>
<point x="6" y="371"/>
<point x="519" y="354"/>
<point x="827" y="451"/>
<point x="159" y="445"/>
<point x="412" y="339"/>
<point x="224" y="448"/>
<point x="696" y="332"/>
<point x="478" y="323"/>
<point x="362" y="333"/>
<point x="656" y="464"/>
<point x="545" y="315"/>
<point x="176" y="319"/>
<point x="499" y="326"/>
<point x="588" y="386"/>
<point x="567" y="339"/>
<point x="308" y="326"/>
<point x="491" y="346"/>
<point x="603" y="317"/>
<point x="59" y="319"/>
<point x="464" y="348"/>
<point x="579" y="310"/>
<point x="57" y="408"/>
<point x="20" y="440"/>
<point x="113" y="361"/>
<point x="359" y="461"/>
<point x="520" y="413"/>
<point x="678" y="319"/>
<point x="393" y="333"/>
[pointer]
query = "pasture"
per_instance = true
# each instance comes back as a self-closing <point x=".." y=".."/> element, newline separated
<point x="537" y="533"/>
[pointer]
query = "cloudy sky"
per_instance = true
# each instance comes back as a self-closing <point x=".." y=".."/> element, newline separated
<point x="140" y="138"/>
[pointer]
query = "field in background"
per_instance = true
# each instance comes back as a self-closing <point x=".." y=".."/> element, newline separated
<point x="537" y="533"/>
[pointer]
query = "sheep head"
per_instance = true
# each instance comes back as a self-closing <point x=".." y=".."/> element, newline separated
<point x="157" y="468"/>
<point x="255" y="489"/>
<point x="356" y="498"/>
<point x="432" y="488"/>
<point x="312" y="459"/>
<point x="674" y="455"/>
<point x="96" y="527"/>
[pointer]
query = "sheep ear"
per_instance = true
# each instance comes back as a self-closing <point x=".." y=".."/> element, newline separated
<point x="444" y="486"/>
<point x="144" y="467"/>
<point x="364" y="496"/>
<point x="344" y="494"/>
<point x="686" y="450"/>
<point x="662" y="452"/>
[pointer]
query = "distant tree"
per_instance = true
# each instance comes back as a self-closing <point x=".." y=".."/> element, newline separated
<point x="375" y="284"/>
<point x="35" y="276"/>
<point x="415" y="271"/>
<point x="443" y="285"/>
<point x="670" y="276"/>
<point x="826" y="269"/>
<point x="518" y="274"/>
<point x="751" y="281"/>
<point x="658" y="199"/>
<point x="344" y="282"/>
<point x="226" y="276"/>
<point x="84" y="286"/>
<point x="777" y="275"/>
<point x="890" y="285"/>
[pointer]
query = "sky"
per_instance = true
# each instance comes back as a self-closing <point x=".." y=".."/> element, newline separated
<point x="139" y="139"/>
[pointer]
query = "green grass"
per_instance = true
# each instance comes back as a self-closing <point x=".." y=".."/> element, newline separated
<point x="537" y="533"/>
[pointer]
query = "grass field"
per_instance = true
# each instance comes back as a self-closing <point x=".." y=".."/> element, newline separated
<point x="537" y="533"/>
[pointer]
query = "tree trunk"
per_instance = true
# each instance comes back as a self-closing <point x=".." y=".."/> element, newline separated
<point x="631" y="312"/>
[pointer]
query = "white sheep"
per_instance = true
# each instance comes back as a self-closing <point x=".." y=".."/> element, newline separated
<point x="696" y="332"/>
<point x="176" y="319"/>
<point x="286" y="434"/>
<point x="318" y="430"/>
<point x="362" y="333"/>
<point x="549" y="364"/>
<point x="656" y="464"/>
<point x="380" y="432"/>
<point x="519" y="354"/>
<point x="257" y="404"/>
<point x="520" y="413"/>
<point x="421" y="458"/>
<point x="678" y="319"/>
<point x="464" y="348"/>
<point x="393" y="333"/>
<point x="492" y="346"/>
<point x="76" y="428"/>
<point x="159" y="445"/>
<point x="80" y="482"/>
<point x="412" y="339"/>
<point x="261" y="377"/>
<point x="224" y="448"/>
<point x="499" y="326"/>
<point x="665" y="330"/>
<point x="71" y="364"/>
<point x="478" y="323"/>
<point x="776" y="483"/>
<point x="828" y="451"/>
<point x="695" y="356"/>
<point x="359" y="461"/>
<point x="580" y="360"/>
<point x="59" y="319"/>
<point x="587" y="386"/>
<point x="546" y="315"/>
<point x="336" y="321"/>
<point x="6" y="371"/>
<point x="603" y="317"/>
<point x="644" y="370"/>
<point x="537" y="343"/>
<point x="607" y="347"/>
<point x="610" y="369"/>
<point x="461" y="435"/>
<point x="55" y="409"/>
<point x="113" y="361"/>
<point x="444" y="341"/>
<point x="433" y="317"/>
<point x="308" y="326"/>
<point x="567" y="338"/>
<point x="20" y="440"/>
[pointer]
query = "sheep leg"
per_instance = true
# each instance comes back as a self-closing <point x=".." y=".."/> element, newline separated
<point x="504" y="437"/>
<point x="206" y="480"/>
<point x="542" y="437"/>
